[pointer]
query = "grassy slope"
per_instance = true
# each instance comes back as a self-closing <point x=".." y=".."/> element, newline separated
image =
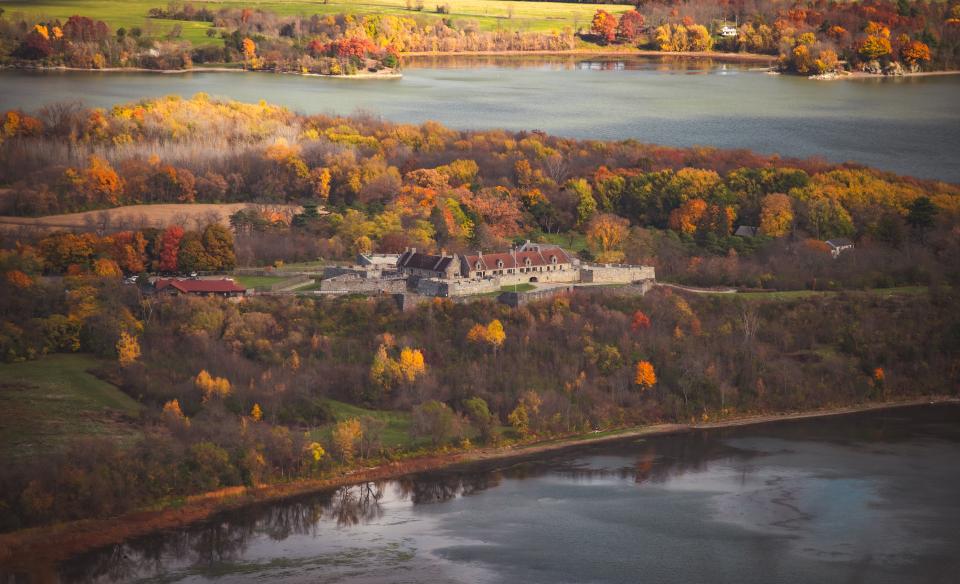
<point x="490" y="14"/>
<point x="45" y="404"/>
<point x="395" y="434"/>
<point x="797" y="294"/>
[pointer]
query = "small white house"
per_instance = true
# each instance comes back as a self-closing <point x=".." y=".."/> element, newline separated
<point x="728" y="31"/>
<point x="839" y="245"/>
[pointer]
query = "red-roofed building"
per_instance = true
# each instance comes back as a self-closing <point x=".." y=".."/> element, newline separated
<point x="530" y="261"/>
<point x="222" y="287"/>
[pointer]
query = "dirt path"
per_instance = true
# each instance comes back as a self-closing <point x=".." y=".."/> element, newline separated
<point x="697" y="290"/>
<point x="39" y="548"/>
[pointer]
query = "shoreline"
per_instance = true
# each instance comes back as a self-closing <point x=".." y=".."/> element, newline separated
<point x="854" y="75"/>
<point x="384" y="74"/>
<point x="747" y="57"/>
<point x="32" y="548"/>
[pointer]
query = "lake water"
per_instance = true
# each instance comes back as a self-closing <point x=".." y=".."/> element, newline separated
<point x="861" y="498"/>
<point x="910" y="126"/>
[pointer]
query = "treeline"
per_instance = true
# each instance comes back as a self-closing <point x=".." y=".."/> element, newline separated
<point x="369" y="185"/>
<point x="255" y="39"/>
<point x="169" y="250"/>
<point x="811" y="37"/>
<point x="236" y="392"/>
<point x="85" y="43"/>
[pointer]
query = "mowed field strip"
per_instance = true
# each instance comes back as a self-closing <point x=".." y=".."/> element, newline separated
<point x="137" y="216"/>
<point x="489" y="14"/>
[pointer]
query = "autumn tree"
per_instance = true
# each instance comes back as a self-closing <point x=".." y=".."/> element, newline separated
<point x="630" y="25"/>
<point x="492" y="335"/>
<point x="604" y="25"/>
<point x="256" y="414"/>
<point x="915" y="53"/>
<point x="218" y="244"/>
<point x="169" y="247"/>
<point x="173" y="415"/>
<point x="106" y="268"/>
<point x="606" y="235"/>
<point x="412" y="364"/>
<point x="97" y="184"/>
<point x="211" y="387"/>
<point x="128" y="349"/>
<point x="645" y="376"/>
<point x="525" y="416"/>
<point x="345" y="436"/>
<point x="687" y="217"/>
<point x="877" y="42"/>
<point x="640" y="321"/>
<point x="776" y="215"/>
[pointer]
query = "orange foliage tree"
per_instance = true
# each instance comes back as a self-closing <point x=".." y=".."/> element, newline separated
<point x="606" y="235"/>
<point x="645" y="376"/>
<point x="604" y="25"/>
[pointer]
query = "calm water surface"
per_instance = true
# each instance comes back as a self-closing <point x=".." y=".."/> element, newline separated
<point x="863" y="498"/>
<point x="911" y="126"/>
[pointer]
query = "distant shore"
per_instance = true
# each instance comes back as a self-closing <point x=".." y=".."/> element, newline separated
<point x="865" y="75"/>
<point x="36" y="549"/>
<point x="382" y="74"/>
<point x="749" y="57"/>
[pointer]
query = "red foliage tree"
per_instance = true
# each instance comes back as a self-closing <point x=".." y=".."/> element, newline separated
<point x="170" y="248"/>
<point x="631" y="23"/>
<point x="604" y="25"/>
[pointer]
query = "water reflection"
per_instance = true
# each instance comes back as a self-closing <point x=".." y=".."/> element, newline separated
<point x="789" y="480"/>
<point x="661" y="64"/>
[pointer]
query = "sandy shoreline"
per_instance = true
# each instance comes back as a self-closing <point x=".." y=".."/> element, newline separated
<point x="33" y="548"/>
<point x="850" y="75"/>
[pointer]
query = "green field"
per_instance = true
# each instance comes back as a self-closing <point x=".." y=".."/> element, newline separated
<point x="489" y="14"/>
<point x="570" y="241"/>
<point x="796" y="294"/>
<point x="396" y="433"/>
<point x="258" y="282"/>
<point x="518" y="288"/>
<point x="48" y="403"/>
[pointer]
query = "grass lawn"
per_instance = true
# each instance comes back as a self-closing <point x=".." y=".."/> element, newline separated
<point x="795" y="294"/>
<point x="489" y="14"/>
<point x="258" y="282"/>
<point x="518" y="288"/>
<point x="45" y="404"/>
<point x="571" y="241"/>
<point x="396" y="433"/>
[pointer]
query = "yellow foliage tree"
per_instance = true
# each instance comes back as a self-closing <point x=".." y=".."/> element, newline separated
<point x="210" y="386"/>
<point x="605" y="236"/>
<point x="411" y="364"/>
<point x="776" y="215"/>
<point x="385" y="372"/>
<point x="646" y="377"/>
<point x="128" y="349"/>
<point x="315" y="451"/>
<point x="346" y="435"/>
<point x="495" y="334"/>
<point x="491" y="335"/>
<point x="106" y="268"/>
<point x="256" y="413"/>
<point x="173" y="415"/>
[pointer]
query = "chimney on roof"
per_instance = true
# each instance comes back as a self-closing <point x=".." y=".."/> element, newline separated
<point x="480" y="253"/>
